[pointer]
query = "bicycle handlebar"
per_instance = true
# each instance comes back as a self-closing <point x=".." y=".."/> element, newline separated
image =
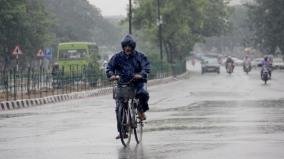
<point x="129" y="82"/>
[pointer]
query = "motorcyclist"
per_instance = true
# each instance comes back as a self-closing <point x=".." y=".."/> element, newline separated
<point x="220" y="60"/>
<point x="130" y="64"/>
<point x="247" y="62"/>
<point x="229" y="60"/>
<point x="55" y="69"/>
<point x="265" y="63"/>
<point x="270" y="59"/>
<point x="57" y="75"/>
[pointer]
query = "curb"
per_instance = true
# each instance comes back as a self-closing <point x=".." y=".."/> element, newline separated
<point x="26" y="103"/>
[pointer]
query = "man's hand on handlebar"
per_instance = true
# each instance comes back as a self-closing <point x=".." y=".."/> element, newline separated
<point x="137" y="76"/>
<point x="114" y="77"/>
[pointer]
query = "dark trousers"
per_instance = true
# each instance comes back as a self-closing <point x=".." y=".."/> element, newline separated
<point x="143" y="97"/>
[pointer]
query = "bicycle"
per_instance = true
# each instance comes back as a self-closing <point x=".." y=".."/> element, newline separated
<point x="128" y="106"/>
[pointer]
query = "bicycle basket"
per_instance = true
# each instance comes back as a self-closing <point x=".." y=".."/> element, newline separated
<point x="125" y="91"/>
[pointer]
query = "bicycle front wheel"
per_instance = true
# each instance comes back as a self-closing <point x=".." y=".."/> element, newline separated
<point x="138" y="129"/>
<point x="125" y="130"/>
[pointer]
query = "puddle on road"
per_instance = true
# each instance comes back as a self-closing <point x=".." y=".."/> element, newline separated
<point x="223" y="116"/>
<point x="222" y="105"/>
<point x="218" y="94"/>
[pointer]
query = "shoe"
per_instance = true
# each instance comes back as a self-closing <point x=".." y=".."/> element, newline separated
<point x="141" y="116"/>
<point x="124" y="136"/>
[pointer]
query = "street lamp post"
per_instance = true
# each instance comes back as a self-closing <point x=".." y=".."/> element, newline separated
<point x="160" y="34"/>
<point x="159" y="23"/>
<point x="130" y="16"/>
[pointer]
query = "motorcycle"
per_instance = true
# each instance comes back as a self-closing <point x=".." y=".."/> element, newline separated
<point x="247" y="67"/>
<point x="230" y="68"/>
<point x="265" y="76"/>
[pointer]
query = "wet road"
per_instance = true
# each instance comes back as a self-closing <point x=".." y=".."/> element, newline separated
<point x="205" y="116"/>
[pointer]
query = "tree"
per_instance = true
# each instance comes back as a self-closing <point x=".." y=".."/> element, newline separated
<point x="267" y="21"/>
<point x="23" y="23"/>
<point x="238" y="36"/>
<point x="78" y="20"/>
<point x="184" y="23"/>
<point x="34" y="24"/>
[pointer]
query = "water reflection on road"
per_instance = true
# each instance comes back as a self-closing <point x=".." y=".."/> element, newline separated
<point x="132" y="153"/>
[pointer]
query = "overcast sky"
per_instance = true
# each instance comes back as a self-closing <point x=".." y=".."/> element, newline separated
<point x="111" y="7"/>
<point x="119" y="7"/>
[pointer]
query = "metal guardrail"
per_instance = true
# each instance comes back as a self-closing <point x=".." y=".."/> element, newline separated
<point x="30" y="83"/>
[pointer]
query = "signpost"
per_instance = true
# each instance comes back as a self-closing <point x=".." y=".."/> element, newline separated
<point x="48" y="52"/>
<point x="40" y="55"/>
<point x="16" y="52"/>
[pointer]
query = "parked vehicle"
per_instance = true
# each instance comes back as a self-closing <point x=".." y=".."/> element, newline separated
<point x="77" y="54"/>
<point x="78" y="62"/>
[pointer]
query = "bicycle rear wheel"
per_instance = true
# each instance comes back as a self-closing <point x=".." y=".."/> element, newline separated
<point x="125" y="126"/>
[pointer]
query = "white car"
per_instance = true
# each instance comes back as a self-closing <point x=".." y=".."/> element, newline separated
<point x="278" y="63"/>
<point x="238" y="62"/>
<point x="256" y="62"/>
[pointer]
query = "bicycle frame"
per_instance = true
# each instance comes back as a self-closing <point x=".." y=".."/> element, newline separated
<point x="125" y="96"/>
<point x="127" y="118"/>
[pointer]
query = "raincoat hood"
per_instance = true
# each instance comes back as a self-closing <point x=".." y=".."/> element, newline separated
<point x="128" y="40"/>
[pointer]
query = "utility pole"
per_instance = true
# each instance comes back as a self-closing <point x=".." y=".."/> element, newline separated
<point x="130" y="16"/>
<point x="160" y="34"/>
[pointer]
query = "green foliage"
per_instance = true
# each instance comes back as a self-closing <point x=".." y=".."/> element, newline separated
<point x="24" y="23"/>
<point x="184" y="22"/>
<point x="238" y="35"/>
<point x="77" y="20"/>
<point x="93" y="71"/>
<point x="267" y="21"/>
<point x="34" y="24"/>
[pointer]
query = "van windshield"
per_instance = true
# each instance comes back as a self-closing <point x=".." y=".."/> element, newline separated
<point x="72" y="54"/>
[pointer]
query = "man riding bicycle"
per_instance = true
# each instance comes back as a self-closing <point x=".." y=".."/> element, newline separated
<point x="128" y="65"/>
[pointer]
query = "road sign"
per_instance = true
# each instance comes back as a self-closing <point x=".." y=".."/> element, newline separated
<point x="40" y="53"/>
<point x="17" y="51"/>
<point x="48" y="53"/>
